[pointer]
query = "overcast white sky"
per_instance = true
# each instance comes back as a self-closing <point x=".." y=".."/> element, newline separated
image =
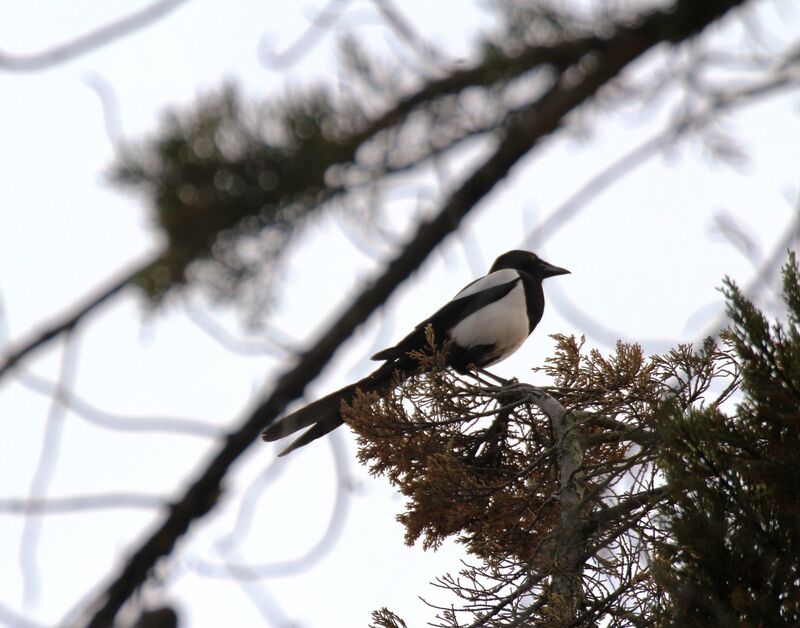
<point x="645" y="259"/>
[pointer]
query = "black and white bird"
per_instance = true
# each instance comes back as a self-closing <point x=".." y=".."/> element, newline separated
<point x="485" y="323"/>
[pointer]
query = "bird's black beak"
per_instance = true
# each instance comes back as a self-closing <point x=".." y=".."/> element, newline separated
<point x="552" y="271"/>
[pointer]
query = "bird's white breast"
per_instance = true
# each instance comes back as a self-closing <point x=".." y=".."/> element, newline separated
<point x="503" y="323"/>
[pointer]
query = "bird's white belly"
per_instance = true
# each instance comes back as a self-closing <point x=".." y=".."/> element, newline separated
<point x="503" y="324"/>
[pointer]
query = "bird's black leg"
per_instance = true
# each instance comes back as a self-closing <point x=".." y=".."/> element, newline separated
<point x="473" y="370"/>
<point x="500" y="380"/>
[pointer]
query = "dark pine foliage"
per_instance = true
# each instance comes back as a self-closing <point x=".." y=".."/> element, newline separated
<point x="229" y="183"/>
<point x="733" y="555"/>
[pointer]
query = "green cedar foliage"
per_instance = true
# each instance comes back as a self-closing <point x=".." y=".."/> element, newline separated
<point x="733" y="520"/>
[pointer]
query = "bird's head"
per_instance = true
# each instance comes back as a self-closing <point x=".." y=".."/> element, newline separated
<point x="527" y="262"/>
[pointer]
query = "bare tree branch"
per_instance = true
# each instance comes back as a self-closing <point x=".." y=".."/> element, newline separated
<point x="111" y="421"/>
<point x="88" y="42"/>
<point x="769" y="266"/>
<point x="9" y="618"/>
<point x="235" y="344"/>
<point x="242" y="570"/>
<point x="71" y="318"/>
<point x="395" y="20"/>
<point x="785" y="77"/>
<point x="45" y="468"/>
<point x="256" y="591"/>
<point x="319" y="25"/>
<point x="625" y="508"/>
<point x="79" y="503"/>
<point x="109" y="102"/>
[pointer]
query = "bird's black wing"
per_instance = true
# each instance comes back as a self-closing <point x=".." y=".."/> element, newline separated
<point x="446" y="317"/>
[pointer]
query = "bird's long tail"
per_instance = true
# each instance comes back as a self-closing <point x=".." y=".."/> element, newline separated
<point x="325" y="413"/>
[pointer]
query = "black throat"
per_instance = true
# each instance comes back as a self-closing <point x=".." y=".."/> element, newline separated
<point x="534" y="298"/>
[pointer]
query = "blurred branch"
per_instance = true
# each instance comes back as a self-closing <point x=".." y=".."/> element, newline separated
<point x="202" y="494"/>
<point x="768" y="268"/>
<point x="325" y="19"/>
<point x="69" y="319"/>
<point x="45" y="468"/>
<point x="684" y="19"/>
<point x="319" y="25"/>
<point x="109" y="421"/>
<point x="248" y="505"/>
<point x="4" y="333"/>
<point x="406" y="33"/>
<point x="499" y="68"/>
<point x="90" y="41"/>
<point x="162" y="617"/>
<point x="9" y="618"/>
<point x="599" y="331"/>
<point x="235" y="344"/>
<point x="109" y="103"/>
<point x="580" y="198"/>
<point x="506" y="66"/>
<point x="313" y="555"/>
<point x="256" y="592"/>
<point x="727" y="228"/>
<point x="79" y="503"/>
<point x="784" y="78"/>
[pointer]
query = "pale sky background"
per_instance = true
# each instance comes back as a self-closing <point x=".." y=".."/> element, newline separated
<point x="645" y="256"/>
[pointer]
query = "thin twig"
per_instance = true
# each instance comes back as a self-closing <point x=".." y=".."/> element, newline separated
<point x="71" y="318"/>
<point x="242" y="570"/>
<point x="45" y="468"/>
<point x="111" y="421"/>
<point x="79" y="503"/>
<point x="318" y="27"/>
<point x="90" y="41"/>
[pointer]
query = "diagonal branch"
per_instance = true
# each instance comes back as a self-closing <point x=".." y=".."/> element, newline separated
<point x="503" y="67"/>
<point x="70" y="319"/>
<point x="624" y="508"/>
<point x="87" y="42"/>
<point x="202" y="495"/>
<point x="668" y="26"/>
<point x="523" y="132"/>
<point x="200" y="498"/>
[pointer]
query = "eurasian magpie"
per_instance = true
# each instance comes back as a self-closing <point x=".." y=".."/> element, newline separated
<point x="484" y="323"/>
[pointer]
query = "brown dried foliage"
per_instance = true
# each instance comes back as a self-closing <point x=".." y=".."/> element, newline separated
<point x="478" y="462"/>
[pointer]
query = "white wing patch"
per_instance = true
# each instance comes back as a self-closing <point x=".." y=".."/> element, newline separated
<point x="503" y="323"/>
<point x="506" y="275"/>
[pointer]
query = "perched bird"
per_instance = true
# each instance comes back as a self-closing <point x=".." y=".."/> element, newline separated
<point x="485" y="323"/>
